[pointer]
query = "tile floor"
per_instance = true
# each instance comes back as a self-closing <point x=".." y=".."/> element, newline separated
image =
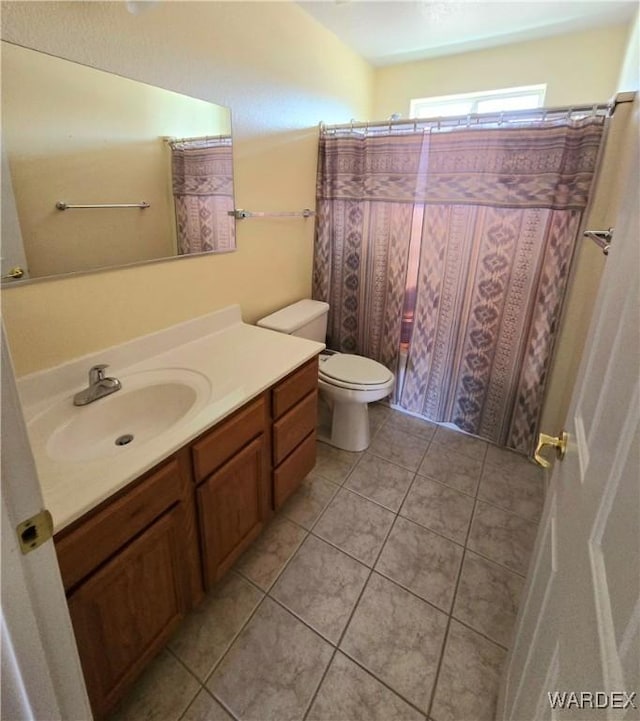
<point x="386" y="589"/>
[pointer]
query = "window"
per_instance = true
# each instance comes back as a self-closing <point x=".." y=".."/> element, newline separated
<point x="489" y="101"/>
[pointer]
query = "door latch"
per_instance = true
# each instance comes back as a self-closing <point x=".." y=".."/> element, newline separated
<point x="34" y="531"/>
<point x="559" y="443"/>
<point x="14" y="274"/>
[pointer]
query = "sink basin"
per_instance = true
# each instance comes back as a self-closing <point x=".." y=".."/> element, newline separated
<point x="149" y="403"/>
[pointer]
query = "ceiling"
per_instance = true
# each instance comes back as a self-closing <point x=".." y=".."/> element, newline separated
<point x="386" y="32"/>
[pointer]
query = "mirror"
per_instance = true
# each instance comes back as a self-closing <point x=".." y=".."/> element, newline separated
<point x="74" y="135"/>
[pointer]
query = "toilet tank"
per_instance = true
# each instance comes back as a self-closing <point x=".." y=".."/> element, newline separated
<point x="305" y="319"/>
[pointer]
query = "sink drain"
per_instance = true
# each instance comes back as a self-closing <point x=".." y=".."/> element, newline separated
<point x="124" y="440"/>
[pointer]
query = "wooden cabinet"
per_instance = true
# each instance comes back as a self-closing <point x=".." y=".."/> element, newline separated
<point x="231" y="466"/>
<point x="294" y="409"/>
<point x="133" y="566"/>
<point x="232" y="507"/>
<point x="127" y="610"/>
<point x="131" y="572"/>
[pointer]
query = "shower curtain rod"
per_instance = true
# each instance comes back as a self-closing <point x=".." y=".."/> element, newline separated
<point x="472" y="118"/>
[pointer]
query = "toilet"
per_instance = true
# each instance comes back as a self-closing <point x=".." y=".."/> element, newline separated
<point x="347" y="382"/>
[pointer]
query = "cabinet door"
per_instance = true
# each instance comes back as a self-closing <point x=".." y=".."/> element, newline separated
<point x="126" y="611"/>
<point x="232" y="506"/>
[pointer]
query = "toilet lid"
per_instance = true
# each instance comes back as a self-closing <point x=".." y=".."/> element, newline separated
<point x="356" y="369"/>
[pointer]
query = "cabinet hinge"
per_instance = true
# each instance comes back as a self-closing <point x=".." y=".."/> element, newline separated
<point x="34" y="531"/>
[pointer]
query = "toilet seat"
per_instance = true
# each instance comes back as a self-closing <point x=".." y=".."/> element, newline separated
<point x="353" y="372"/>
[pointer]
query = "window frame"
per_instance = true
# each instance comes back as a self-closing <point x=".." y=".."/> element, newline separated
<point x="427" y="107"/>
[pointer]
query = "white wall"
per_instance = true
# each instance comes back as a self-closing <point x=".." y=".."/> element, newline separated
<point x="578" y="68"/>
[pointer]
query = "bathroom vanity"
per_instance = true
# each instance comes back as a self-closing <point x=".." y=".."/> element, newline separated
<point x="138" y="550"/>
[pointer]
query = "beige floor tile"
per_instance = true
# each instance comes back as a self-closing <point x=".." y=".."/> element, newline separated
<point x="518" y="464"/>
<point x="355" y="525"/>
<point x="461" y="443"/>
<point x="411" y="424"/>
<point x="334" y="464"/>
<point x="503" y="487"/>
<point x="378" y="414"/>
<point x="488" y="597"/>
<point x="381" y="481"/>
<point x="164" y="691"/>
<point x="307" y="503"/>
<point x="321" y="585"/>
<point x="349" y="693"/>
<point x="397" y="637"/>
<point x="273" y="668"/>
<point x="398" y="447"/>
<point x="209" y="629"/>
<point x="422" y="562"/>
<point x="469" y="677"/>
<point x="502" y="537"/>
<point x="205" y="708"/>
<point x="269" y="553"/>
<point x="439" y="508"/>
<point x="451" y="467"/>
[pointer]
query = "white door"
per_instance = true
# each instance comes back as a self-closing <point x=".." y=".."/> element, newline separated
<point x="41" y="678"/>
<point x="13" y="255"/>
<point x="578" y="631"/>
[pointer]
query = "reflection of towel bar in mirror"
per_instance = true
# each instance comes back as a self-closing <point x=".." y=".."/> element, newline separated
<point x="602" y="238"/>
<point x="239" y="214"/>
<point x="61" y="205"/>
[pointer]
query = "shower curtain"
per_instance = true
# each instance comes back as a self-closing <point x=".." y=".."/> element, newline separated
<point x="445" y="256"/>
<point x="202" y="178"/>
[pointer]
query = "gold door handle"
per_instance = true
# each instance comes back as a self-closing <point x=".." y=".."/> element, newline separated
<point x="559" y="443"/>
<point x="14" y="274"/>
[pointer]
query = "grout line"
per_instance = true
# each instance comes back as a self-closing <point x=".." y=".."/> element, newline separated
<point x="510" y="512"/>
<point x="368" y="498"/>
<point x="353" y="611"/>
<point x="371" y="569"/>
<point x="190" y="672"/>
<point x="467" y="625"/>
<point x="346" y="626"/>
<point x="448" y="485"/>
<point x="382" y="682"/>
<point x="455" y="595"/>
<point x="205" y="690"/>
<point x="497" y="563"/>
<point x="232" y="642"/>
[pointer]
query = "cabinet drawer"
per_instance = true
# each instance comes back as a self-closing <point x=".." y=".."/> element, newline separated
<point x="292" y="389"/>
<point x="217" y="446"/>
<point x="90" y="544"/>
<point x="288" y="476"/>
<point x="294" y="426"/>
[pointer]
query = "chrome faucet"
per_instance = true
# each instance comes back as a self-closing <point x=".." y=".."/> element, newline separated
<point x="99" y="386"/>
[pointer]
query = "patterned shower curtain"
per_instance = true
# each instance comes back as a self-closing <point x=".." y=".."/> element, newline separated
<point x="445" y="256"/>
<point x="202" y="173"/>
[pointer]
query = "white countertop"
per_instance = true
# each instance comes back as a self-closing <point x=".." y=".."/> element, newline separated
<point x="238" y="362"/>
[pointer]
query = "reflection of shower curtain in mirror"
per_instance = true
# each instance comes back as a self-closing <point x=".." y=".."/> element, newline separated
<point x="202" y="172"/>
<point x="445" y="256"/>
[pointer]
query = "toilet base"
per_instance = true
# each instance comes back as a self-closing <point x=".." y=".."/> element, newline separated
<point x="349" y="427"/>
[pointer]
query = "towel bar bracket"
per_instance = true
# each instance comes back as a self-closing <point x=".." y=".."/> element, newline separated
<point x="602" y="238"/>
